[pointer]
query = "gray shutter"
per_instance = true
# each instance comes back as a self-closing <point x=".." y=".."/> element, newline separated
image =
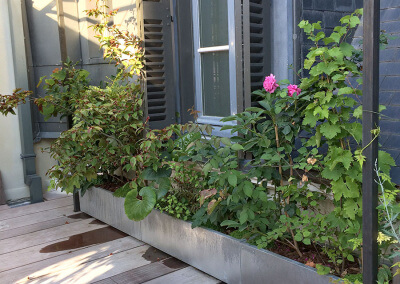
<point x="183" y="22"/>
<point x="257" y="39"/>
<point x="50" y="42"/>
<point x="154" y="22"/>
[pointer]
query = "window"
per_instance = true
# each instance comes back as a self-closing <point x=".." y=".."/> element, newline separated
<point x="215" y="66"/>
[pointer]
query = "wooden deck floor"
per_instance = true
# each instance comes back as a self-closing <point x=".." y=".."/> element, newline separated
<point x="49" y="243"/>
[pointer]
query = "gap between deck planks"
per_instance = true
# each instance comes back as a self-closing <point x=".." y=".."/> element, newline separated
<point x="32" y="228"/>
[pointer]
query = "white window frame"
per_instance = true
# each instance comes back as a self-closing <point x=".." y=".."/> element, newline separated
<point x="215" y="120"/>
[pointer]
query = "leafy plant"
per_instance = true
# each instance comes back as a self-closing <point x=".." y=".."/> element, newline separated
<point x="333" y="111"/>
<point x="8" y="103"/>
<point x="120" y="46"/>
<point x="171" y="205"/>
<point x="108" y="124"/>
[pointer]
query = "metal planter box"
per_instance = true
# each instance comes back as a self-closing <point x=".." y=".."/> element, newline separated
<point x="219" y="255"/>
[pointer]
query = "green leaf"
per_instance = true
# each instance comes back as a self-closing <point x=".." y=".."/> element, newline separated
<point x="385" y="162"/>
<point x="150" y="174"/>
<point x="348" y="189"/>
<point x="308" y="63"/>
<point x="345" y="91"/>
<point x="243" y="217"/>
<point x="265" y="104"/>
<point x="338" y="155"/>
<point x="164" y="185"/>
<point x="284" y="82"/>
<point x="137" y="209"/>
<point x="230" y="223"/>
<point x="60" y="75"/>
<point x="248" y="188"/>
<point x="335" y="36"/>
<point x="232" y="179"/>
<point x="123" y="190"/>
<point x="332" y="174"/>
<point x="310" y="119"/>
<point x="226" y="141"/>
<point x="298" y="237"/>
<point x="207" y="168"/>
<point x="329" y="130"/>
<point x="254" y="109"/>
<point x="354" y="21"/>
<point x="48" y="109"/>
<point x="350" y="258"/>
<point x="350" y="207"/>
<point x="286" y="130"/>
<point x="49" y="81"/>
<point x="322" y="270"/>
<point x="347" y="49"/>
<point x="237" y="147"/>
<point x="358" y="112"/>
<point x="318" y="136"/>
<point x="336" y="52"/>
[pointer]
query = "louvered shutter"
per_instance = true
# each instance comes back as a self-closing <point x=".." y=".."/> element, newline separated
<point x="154" y="23"/>
<point x="257" y="42"/>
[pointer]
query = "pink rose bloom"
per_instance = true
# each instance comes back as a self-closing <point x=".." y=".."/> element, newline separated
<point x="291" y="89"/>
<point x="270" y="84"/>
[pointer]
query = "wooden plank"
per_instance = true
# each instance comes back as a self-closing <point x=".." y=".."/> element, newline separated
<point x="4" y="207"/>
<point x="19" y="258"/>
<point x="34" y="218"/>
<point x="48" y="235"/>
<point x="72" y="218"/>
<point x="106" y="281"/>
<point x="183" y="276"/>
<point x="148" y="272"/>
<point x="69" y="260"/>
<point x="34" y="208"/>
<point x="96" y="270"/>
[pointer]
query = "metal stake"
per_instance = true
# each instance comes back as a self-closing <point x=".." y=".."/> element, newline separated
<point x="370" y="121"/>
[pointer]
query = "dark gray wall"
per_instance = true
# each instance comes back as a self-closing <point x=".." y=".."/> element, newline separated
<point x="330" y="12"/>
<point x="390" y="83"/>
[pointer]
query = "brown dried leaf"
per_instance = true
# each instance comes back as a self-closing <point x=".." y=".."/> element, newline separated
<point x="311" y="264"/>
<point x="204" y="194"/>
<point x="212" y="205"/>
<point x="311" y="161"/>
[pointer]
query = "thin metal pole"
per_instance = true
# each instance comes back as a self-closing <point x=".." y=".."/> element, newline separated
<point x="77" y="204"/>
<point x="370" y="121"/>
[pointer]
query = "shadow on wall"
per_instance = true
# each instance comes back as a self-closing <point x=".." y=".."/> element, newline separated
<point x="80" y="44"/>
<point x="46" y="19"/>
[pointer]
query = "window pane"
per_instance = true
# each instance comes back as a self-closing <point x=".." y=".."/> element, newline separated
<point x="213" y="22"/>
<point x="215" y="83"/>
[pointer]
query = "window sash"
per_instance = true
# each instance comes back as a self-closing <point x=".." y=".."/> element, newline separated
<point x="214" y="120"/>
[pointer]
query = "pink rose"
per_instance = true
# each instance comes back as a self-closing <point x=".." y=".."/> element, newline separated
<point x="291" y="89"/>
<point x="270" y="84"/>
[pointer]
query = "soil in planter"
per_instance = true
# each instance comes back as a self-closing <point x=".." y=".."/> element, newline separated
<point x="111" y="186"/>
<point x="311" y="256"/>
